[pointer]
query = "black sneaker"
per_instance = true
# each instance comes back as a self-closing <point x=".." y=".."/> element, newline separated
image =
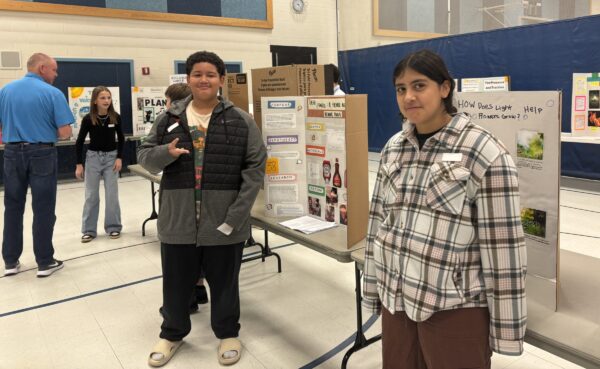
<point x="12" y="269"/>
<point x="45" y="271"/>
<point x="201" y="295"/>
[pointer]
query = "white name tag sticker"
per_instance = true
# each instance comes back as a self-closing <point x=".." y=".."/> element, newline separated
<point x="452" y="156"/>
<point x="172" y="127"/>
<point x="111" y="126"/>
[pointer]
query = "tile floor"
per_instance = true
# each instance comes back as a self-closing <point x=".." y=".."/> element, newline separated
<point x="101" y="310"/>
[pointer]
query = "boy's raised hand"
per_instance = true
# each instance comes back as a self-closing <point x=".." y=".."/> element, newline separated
<point x="174" y="151"/>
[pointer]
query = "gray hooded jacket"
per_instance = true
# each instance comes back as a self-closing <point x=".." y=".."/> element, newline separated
<point x="233" y="171"/>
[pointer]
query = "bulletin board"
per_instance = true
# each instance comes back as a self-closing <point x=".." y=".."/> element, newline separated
<point x="237" y="13"/>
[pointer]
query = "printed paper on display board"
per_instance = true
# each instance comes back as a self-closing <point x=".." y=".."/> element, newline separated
<point x="146" y="105"/>
<point x="333" y="135"/>
<point x="585" y="105"/>
<point x="326" y="158"/>
<point x="283" y="134"/>
<point x="79" y="102"/>
<point x="528" y="123"/>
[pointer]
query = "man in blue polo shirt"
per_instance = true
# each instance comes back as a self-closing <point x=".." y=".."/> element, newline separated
<point x="33" y="115"/>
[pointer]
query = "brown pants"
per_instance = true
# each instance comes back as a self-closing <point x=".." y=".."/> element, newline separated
<point x="451" y="339"/>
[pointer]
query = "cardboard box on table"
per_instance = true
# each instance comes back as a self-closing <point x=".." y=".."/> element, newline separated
<point x="334" y="168"/>
<point x="235" y="89"/>
<point x="289" y="80"/>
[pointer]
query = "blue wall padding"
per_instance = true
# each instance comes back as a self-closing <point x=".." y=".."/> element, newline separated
<point x="540" y="57"/>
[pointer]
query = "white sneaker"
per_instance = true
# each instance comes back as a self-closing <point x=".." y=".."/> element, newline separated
<point x="12" y="269"/>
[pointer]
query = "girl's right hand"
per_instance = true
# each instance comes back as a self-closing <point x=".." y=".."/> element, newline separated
<point x="174" y="151"/>
<point x="79" y="171"/>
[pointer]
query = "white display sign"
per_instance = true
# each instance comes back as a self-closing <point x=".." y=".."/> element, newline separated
<point x="80" y="100"/>
<point x="146" y="104"/>
<point x="177" y="78"/>
<point x="489" y="84"/>
<point x="528" y="123"/>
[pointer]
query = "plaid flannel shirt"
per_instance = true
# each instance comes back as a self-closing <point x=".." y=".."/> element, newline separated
<point x="445" y="230"/>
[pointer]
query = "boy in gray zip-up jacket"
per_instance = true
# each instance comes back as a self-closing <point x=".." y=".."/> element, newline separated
<point x="212" y="157"/>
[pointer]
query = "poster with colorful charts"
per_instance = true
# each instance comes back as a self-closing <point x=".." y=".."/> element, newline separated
<point x="585" y="104"/>
<point x="80" y="100"/>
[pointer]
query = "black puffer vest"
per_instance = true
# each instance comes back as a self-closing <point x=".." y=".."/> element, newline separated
<point x="224" y="151"/>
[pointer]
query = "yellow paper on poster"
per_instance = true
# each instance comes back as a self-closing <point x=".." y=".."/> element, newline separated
<point x="580" y="85"/>
<point x="272" y="166"/>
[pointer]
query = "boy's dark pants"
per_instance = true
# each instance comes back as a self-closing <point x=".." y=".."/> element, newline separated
<point x="449" y="339"/>
<point x="221" y="266"/>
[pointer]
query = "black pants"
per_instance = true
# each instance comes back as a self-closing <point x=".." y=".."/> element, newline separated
<point x="221" y="266"/>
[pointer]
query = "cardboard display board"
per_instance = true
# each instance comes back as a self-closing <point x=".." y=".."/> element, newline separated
<point x="285" y="173"/>
<point x="318" y="159"/>
<point x="235" y="89"/>
<point x="79" y="102"/>
<point x="528" y="123"/>
<point x="289" y="80"/>
<point x="146" y="104"/>
<point x="585" y="104"/>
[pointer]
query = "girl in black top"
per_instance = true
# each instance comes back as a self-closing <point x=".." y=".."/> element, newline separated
<point x="103" y="161"/>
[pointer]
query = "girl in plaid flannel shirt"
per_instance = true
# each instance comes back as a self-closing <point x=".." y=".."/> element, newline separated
<point x="445" y="260"/>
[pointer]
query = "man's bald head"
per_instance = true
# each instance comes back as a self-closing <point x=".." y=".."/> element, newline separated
<point x="43" y="65"/>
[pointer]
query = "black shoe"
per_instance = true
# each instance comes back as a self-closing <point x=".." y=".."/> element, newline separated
<point x="201" y="295"/>
<point x="45" y="271"/>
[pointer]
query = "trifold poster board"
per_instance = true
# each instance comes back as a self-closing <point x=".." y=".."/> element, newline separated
<point x="528" y="123"/>
<point x="318" y="159"/>
<point x="585" y="104"/>
<point x="290" y="80"/>
<point x="79" y="102"/>
<point x="147" y="103"/>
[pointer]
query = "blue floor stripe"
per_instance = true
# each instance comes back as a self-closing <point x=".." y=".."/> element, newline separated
<point x="78" y="297"/>
<point x="337" y="349"/>
<point x="2" y="315"/>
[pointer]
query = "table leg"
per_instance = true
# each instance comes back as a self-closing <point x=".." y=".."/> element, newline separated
<point x="154" y="214"/>
<point x="265" y="251"/>
<point x="360" y="341"/>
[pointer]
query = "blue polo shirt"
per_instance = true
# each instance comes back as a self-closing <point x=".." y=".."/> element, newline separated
<point x="31" y="110"/>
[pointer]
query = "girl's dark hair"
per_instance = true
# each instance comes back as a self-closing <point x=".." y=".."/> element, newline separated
<point x="205" y="57"/>
<point x="431" y="65"/>
<point x="112" y="114"/>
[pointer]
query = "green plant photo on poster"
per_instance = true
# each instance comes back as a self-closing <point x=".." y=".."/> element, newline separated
<point x="530" y="145"/>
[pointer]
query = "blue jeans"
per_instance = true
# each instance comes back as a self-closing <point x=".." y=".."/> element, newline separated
<point x="35" y="166"/>
<point x="99" y="165"/>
